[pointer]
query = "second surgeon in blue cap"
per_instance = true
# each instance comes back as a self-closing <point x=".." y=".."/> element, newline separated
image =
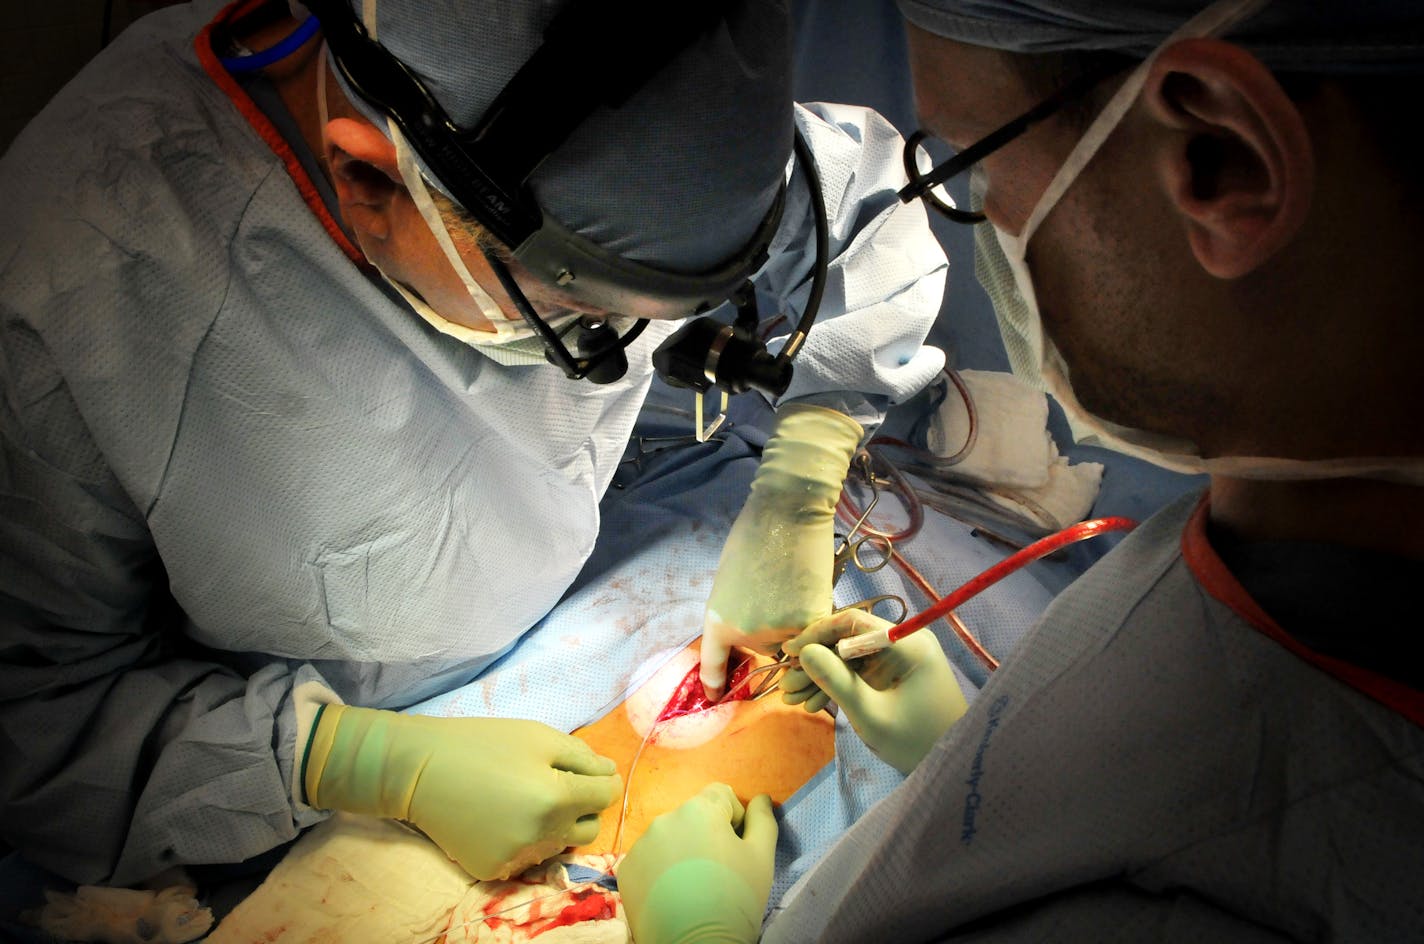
<point x="1203" y="241"/>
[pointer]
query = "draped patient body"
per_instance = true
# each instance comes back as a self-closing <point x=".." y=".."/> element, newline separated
<point x="362" y="879"/>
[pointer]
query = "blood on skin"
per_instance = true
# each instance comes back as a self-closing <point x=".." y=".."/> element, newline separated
<point x="689" y="697"/>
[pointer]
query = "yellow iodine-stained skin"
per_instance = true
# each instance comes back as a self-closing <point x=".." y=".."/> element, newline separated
<point x="360" y="874"/>
<point x="761" y="746"/>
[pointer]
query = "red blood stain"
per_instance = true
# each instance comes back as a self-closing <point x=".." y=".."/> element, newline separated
<point x="496" y="902"/>
<point x="588" y="905"/>
<point x="689" y="698"/>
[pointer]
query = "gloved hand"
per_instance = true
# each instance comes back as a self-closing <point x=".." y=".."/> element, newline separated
<point x="498" y="795"/>
<point x="774" y="576"/>
<point x="691" y="877"/>
<point x="899" y="700"/>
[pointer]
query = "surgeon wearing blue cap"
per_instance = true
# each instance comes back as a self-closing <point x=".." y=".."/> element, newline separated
<point x="322" y="331"/>
<point x="1199" y="224"/>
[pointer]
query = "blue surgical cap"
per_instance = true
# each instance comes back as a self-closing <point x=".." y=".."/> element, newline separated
<point x="679" y="175"/>
<point x="1340" y="37"/>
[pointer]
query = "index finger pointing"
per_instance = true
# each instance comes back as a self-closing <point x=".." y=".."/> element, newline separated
<point x="576" y="757"/>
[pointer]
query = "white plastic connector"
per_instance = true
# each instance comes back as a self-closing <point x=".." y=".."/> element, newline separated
<point x="866" y="644"/>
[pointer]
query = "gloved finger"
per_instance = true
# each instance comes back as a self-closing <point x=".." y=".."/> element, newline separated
<point x="723" y="799"/>
<point x="801" y="696"/>
<point x="882" y="673"/>
<point x="585" y="830"/>
<point x="798" y="689"/>
<point x="590" y="794"/>
<point x="856" y="621"/>
<point x="810" y="697"/>
<point x="759" y="826"/>
<point x="794" y="681"/>
<point x="834" y="677"/>
<point x="826" y="631"/>
<point x="793" y="646"/>
<point x="526" y="858"/>
<point x="576" y="757"/>
<point x="714" y="667"/>
<point x="816" y="702"/>
<point x="767" y="641"/>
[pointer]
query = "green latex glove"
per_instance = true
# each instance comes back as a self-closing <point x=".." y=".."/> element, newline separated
<point x="691" y="877"/>
<point x="899" y="700"/>
<point x="774" y="576"/>
<point x="498" y="795"/>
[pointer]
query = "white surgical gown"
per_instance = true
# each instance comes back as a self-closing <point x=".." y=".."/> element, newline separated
<point x="231" y="462"/>
<point x="1158" y="762"/>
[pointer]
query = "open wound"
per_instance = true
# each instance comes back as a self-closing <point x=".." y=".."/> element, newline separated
<point x="689" y="698"/>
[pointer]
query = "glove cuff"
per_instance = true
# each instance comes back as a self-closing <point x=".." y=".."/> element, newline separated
<point x="808" y="455"/>
<point x="346" y="762"/>
<point x="318" y="750"/>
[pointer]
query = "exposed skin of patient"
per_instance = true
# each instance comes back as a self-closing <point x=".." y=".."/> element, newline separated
<point x="335" y="881"/>
<point x="762" y="746"/>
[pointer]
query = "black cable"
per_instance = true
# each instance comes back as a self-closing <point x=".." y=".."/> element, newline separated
<point x="823" y="244"/>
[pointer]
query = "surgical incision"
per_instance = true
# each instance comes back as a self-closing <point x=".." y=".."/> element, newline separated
<point x="756" y="746"/>
<point x="690" y="697"/>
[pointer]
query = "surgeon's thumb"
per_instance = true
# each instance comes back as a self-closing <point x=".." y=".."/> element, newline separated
<point x="834" y="677"/>
<point x="759" y="825"/>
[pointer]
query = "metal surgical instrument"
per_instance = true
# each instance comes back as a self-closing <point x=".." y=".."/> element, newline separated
<point x="849" y="550"/>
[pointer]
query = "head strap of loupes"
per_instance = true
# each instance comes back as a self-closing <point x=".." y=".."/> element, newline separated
<point x="1360" y="37"/>
<point x="632" y="154"/>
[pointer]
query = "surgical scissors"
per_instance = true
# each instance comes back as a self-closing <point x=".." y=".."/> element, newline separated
<point x="881" y="475"/>
<point x="773" y="670"/>
<point x="850" y="548"/>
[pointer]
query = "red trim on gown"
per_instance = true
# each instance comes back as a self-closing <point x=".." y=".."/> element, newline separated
<point x="208" y="57"/>
<point x="1220" y="583"/>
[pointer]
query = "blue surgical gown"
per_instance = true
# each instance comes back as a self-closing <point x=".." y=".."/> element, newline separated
<point x="231" y="462"/>
<point x="1161" y="761"/>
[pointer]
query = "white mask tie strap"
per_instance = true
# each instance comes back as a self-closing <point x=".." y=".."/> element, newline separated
<point x="1214" y="19"/>
<point x="415" y="185"/>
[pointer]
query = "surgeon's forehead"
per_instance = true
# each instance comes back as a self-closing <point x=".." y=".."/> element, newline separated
<point x="962" y="92"/>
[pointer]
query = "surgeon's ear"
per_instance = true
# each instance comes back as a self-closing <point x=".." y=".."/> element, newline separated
<point x="364" y="172"/>
<point x="1239" y="168"/>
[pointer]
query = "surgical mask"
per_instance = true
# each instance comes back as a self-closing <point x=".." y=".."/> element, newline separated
<point x="1001" y="265"/>
<point x="505" y="331"/>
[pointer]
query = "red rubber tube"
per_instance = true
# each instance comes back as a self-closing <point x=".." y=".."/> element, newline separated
<point x="1016" y="561"/>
